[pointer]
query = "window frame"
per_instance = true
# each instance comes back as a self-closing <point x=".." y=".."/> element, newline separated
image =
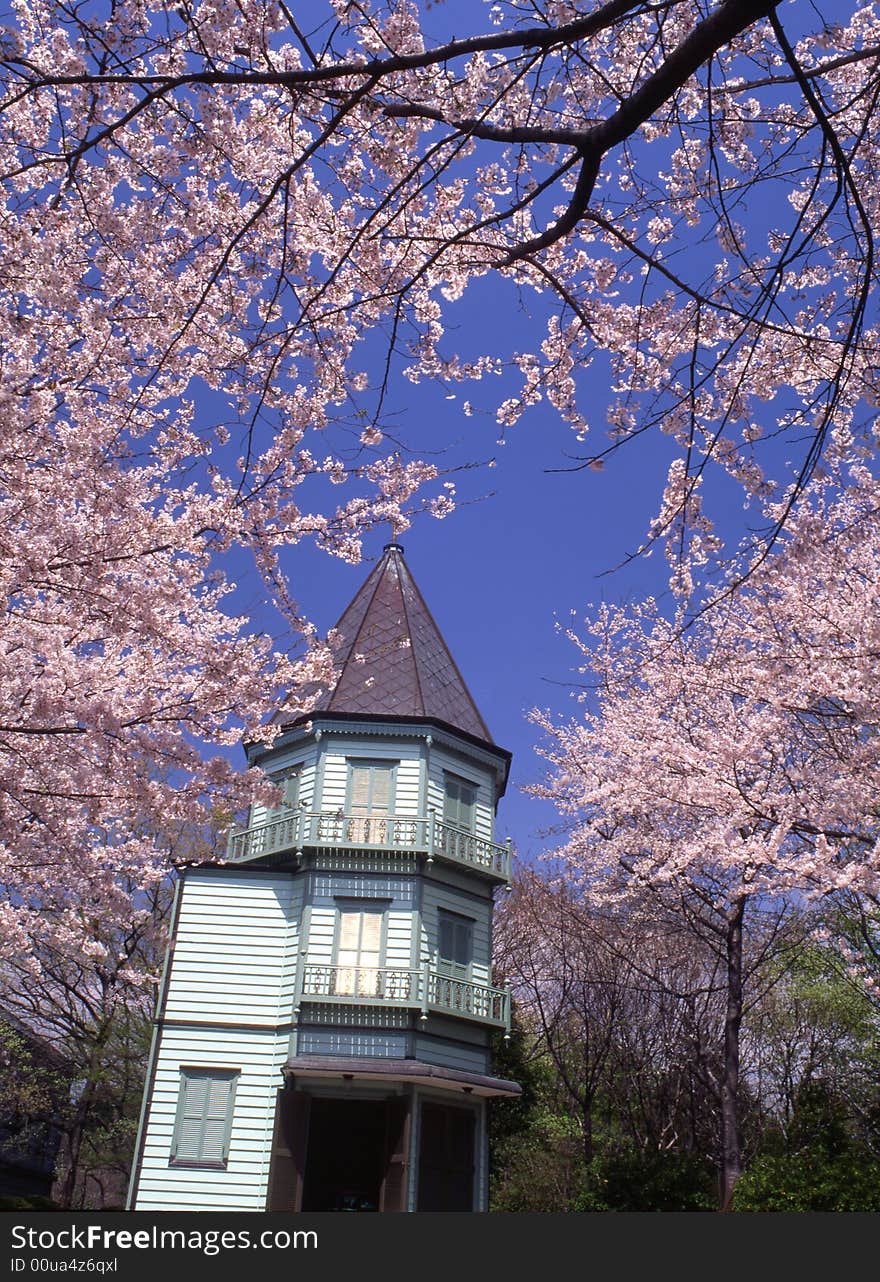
<point x="263" y="814"/>
<point x="448" y="966"/>
<point x="283" y="779"/>
<point x="348" y="904"/>
<point x="201" y="1072"/>
<point x="351" y="764"/>
<point x="459" y="781"/>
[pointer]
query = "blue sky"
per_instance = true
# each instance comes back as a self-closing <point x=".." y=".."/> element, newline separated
<point x="528" y="545"/>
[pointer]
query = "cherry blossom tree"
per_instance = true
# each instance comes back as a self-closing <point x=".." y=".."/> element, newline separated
<point x="125" y="666"/>
<point x="724" y="775"/>
<point x="211" y="215"/>
<point x="687" y="187"/>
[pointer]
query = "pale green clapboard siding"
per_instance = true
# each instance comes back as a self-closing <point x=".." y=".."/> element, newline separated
<point x="291" y="952"/>
<point x="473" y="772"/>
<point x="403" y="754"/>
<point x="235" y="947"/>
<point x="408" y="783"/>
<point x="258" y="1057"/>
<point x="335" y="772"/>
<point x="304" y="758"/>
<point x="398" y="939"/>
<point x="322" y="935"/>
<point x="468" y="1059"/>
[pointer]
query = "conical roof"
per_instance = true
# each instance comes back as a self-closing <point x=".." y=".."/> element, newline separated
<point x="392" y="661"/>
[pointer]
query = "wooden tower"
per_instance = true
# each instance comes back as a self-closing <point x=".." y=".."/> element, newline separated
<point x="323" y="1026"/>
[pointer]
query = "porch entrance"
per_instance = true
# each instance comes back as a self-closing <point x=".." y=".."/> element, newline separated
<point x="345" y="1155"/>
<point x="332" y="1154"/>
<point x="446" y="1158"/>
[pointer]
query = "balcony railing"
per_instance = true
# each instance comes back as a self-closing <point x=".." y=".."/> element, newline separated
<point x="425" y="989"/>
<point x="297" y="830"/>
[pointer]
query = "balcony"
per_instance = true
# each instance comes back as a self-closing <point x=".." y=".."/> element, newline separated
<point x="426" y="990"/>
<point x="299" y="830"/>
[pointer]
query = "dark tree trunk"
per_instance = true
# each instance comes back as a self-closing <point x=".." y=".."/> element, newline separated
<point x="731" y="1138"/>
<point x="587" y="1114"/>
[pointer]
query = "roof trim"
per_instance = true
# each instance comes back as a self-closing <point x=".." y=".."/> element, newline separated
<point x="316" y="719"/>
<point x="426" y="1074"/>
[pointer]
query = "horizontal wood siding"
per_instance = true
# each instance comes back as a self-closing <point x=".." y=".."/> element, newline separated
<point x="242" y="1186"/>
<point x="408" y="783"/>
<point x="398" y="938"/>
<point x="480" y="776"/>
<point x="322" y="935"/>
<point x="470" y="1059"/>
<point x="304" y="756"/>
<point x="327" y="889"/>
<point x="235" y="948"/>
<point x="405" y="754"/>
<point x="459" y="1030"/>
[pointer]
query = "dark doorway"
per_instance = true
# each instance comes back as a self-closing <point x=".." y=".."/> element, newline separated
<point x="446" y="1159"/>
<point x="345" y="1159"/>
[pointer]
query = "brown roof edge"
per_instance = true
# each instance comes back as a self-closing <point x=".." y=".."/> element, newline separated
<point x="480" y="1083"/>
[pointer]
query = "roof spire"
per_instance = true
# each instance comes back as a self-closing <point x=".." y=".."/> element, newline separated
<point x="394" y="546"/>
<point x="390" y="657"/>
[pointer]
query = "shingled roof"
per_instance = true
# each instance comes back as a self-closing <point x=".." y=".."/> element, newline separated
<point x="391" y="659"/>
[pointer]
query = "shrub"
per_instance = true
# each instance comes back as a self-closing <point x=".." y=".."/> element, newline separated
<point x="632" y="1179"/>
<point x="810" y="1180"/>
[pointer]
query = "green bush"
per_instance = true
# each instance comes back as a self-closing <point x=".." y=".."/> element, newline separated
<point x="633" y="1179"/>
<point x="810" y="1180"/>
<point x="35" y="1203"/>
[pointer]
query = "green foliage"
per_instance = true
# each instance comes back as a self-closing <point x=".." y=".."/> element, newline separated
<point x="515" y="1060"/>
<point x="810" y="1180"/>
<point x="27" y="1204"/>
<point x="631" y="1179"/>
<point x="32" y="1084"/>
<point x="824" y="1166"/>
<point x="540" y="1169"/>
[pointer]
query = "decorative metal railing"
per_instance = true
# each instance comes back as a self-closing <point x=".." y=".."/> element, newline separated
<point x="382" y="832"/>
<point x="475" y="1001"/>
<point x="426" y="989"/>
<point x="372" y="983"/>
<point x="467" y="848"/>
<point x="297" y="830"/>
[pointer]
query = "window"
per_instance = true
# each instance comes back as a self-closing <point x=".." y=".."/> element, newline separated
<point x="359" y="949"/>
<point x="370" y="787"/>
<point x="459" y="801"/>
<point x="370" y="801"/>
<point x="456" y="945"/>
<point x="204" y="1117"/>
<point x="289" y="784"/>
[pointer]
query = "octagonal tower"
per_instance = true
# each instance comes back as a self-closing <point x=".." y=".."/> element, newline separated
<point x="323" y="1029"/>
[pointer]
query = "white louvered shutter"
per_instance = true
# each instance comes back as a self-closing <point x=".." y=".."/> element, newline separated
<point x="290" y="791"/>
<point x="360" y="790"/>
<point x="458" y="804"/>
<point x="370" y="788"/>
<point x="380" y="800"/>
<point x="456" y="942"/>
<point x="188" y="1142"/>
<point x="216" y="1128"/>
<point x="202" y="1132"/>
